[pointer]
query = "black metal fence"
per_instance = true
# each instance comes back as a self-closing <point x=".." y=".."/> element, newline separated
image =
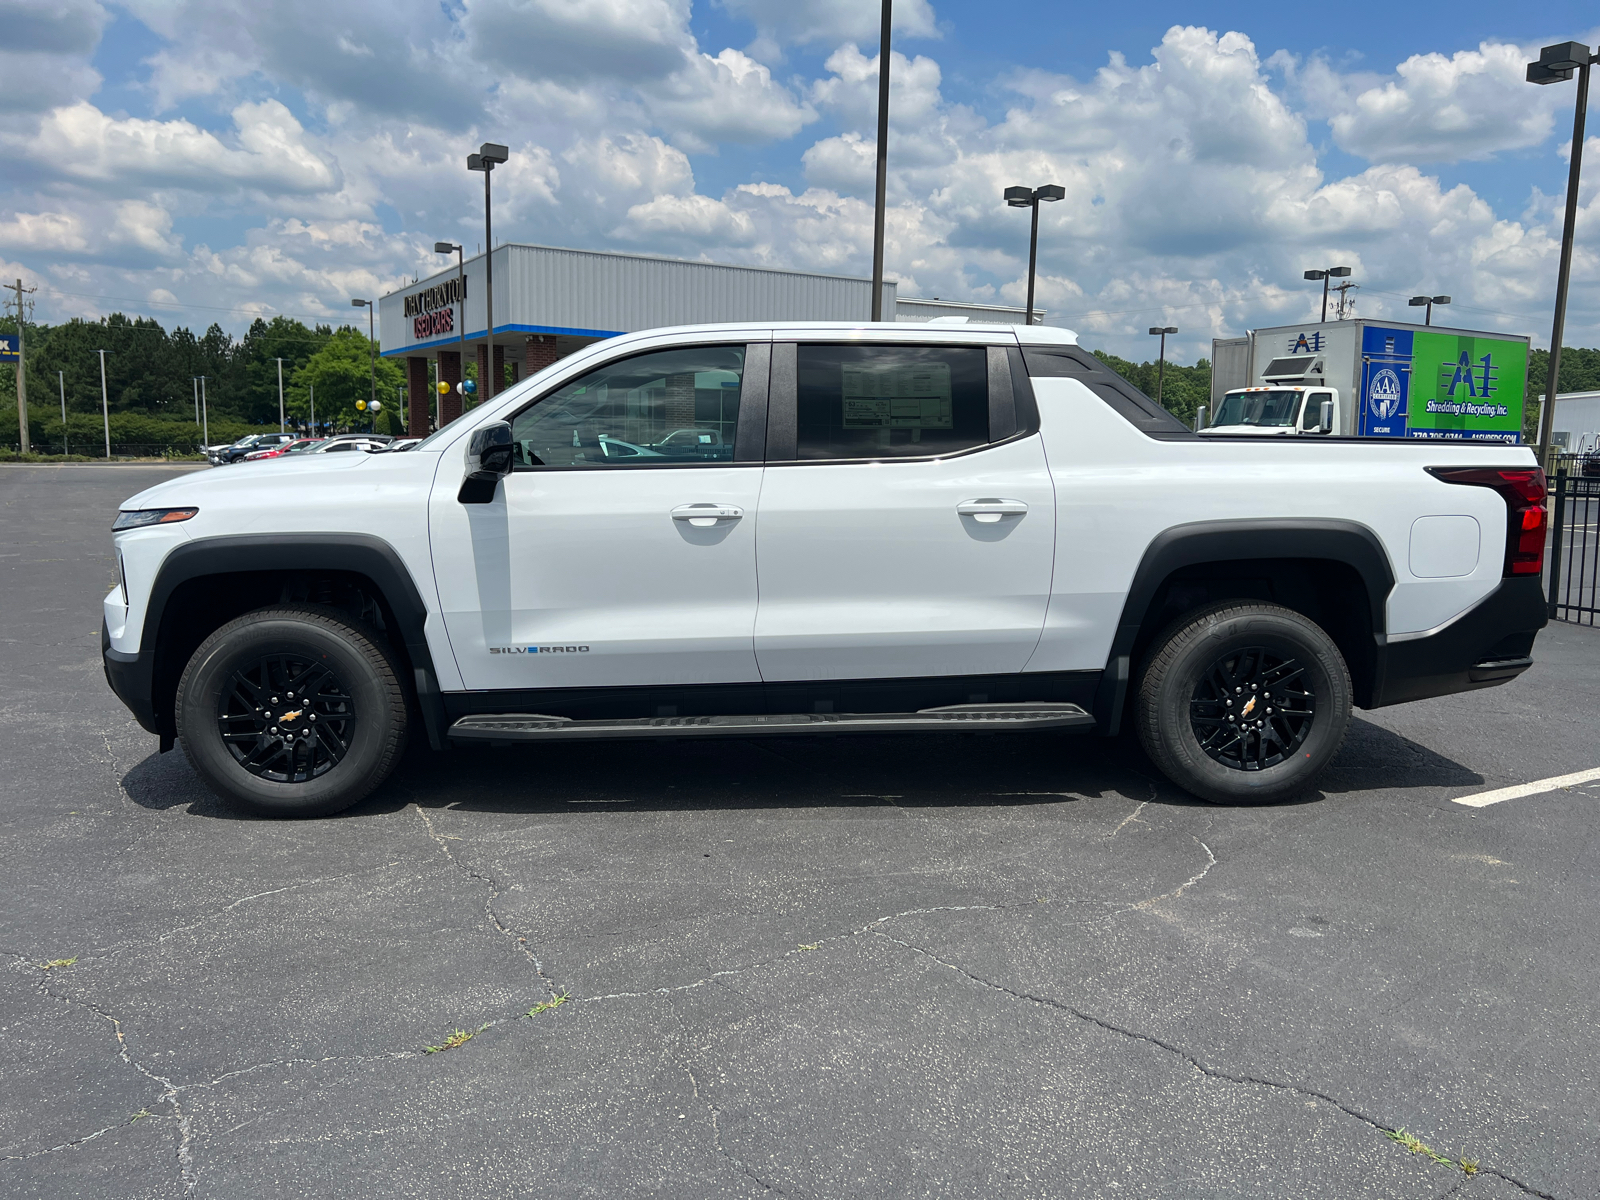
<point x="1574" y="567"/>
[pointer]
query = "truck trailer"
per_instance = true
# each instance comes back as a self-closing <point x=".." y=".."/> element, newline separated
<point x="1369" y="379"/>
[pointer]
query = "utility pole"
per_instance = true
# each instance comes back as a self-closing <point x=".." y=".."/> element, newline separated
<point x="195" y="380"/>
<point x="205" y="420"/>
<point x="61" y="379"/>
<point x="280" y="394"/>
<point x="1345" y="304"/>
<point x="312" y="388"/>
<point x="22" y="378"/>
<point x="881" y="199"/>
<point x="105" y="404"/>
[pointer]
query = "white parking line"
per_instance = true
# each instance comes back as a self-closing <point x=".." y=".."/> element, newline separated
<point x="1484" y="799"/>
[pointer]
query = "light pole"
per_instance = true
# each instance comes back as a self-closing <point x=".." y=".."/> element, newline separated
<point x="1161" y="371"/>
<point x="279" y="361"/>
<point x="880" y="196"/>
<point x="1325" y="275"/>
<point x="1022" y="197"/>
<point x="1557" y="63"/>
<point x="205" y="416"/>
<point x="312" y="389"/>
<point x="372" y="349"/>
<point x="1430" y="301"/>
<point x="461" y="288"/>
<point x="61" y="382"/>
<point x="105" y="404"/>
<point x="489" y="156"/>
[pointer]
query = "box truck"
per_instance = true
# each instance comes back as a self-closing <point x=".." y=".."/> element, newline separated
<point x="1369" y="379"/>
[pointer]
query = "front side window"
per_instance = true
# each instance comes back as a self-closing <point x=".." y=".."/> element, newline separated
<point x="668" y="406"/>
<point x="890" y="401"/>
<point x="1313" y="415"/>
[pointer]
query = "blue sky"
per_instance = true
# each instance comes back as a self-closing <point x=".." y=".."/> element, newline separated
<point x="214" y="159"/>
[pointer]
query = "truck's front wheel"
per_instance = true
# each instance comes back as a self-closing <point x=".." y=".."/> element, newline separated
<point x="1243" y="703"/>
<point x="291" y="712"/>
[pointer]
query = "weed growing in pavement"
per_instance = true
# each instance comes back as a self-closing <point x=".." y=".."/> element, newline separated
<point x="547" y="1005"/>
<point x="456" y="1040"/>
<point x="812" y="946"/>
<point x="1467" y="1166"/>
<point x="139" y="1116"/>
<point x="57" y="962"/>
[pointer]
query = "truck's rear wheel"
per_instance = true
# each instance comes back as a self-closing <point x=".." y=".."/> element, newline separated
<point x="1243" y="703"/>
<point x="291" y="712"/>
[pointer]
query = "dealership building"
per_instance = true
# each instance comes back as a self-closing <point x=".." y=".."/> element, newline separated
<point x="548" y="302"/>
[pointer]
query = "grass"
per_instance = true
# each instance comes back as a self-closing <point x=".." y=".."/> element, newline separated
<point x="1467" y="1166"/>
<point x="139" y="1116"/>
<point x="57" y="962"/>
<point x="456" y="1040"/>
<point x="811" y="946"/>
<point x="547" y="1005"/>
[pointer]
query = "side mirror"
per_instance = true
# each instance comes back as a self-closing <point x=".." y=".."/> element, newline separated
<point x="488" y="458"/>
<point x="1200" y="416"/>
<point x="1325" y="423"/>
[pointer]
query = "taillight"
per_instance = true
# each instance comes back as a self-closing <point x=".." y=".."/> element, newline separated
<point x="1523" y="489"/>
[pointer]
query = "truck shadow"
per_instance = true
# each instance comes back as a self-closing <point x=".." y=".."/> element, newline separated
<point x="909" y="770"/>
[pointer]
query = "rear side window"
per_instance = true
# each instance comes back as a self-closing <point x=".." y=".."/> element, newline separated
<point x="890" y="401"/>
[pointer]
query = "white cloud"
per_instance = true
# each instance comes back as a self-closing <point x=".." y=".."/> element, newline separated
<point x="80" y="142"/>
<point x="1469" y="106"/>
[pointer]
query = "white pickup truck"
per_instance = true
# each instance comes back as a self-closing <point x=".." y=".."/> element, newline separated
<point x="837" y="528"/>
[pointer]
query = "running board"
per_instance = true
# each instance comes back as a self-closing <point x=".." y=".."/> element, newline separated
<point x="985" y="718"/>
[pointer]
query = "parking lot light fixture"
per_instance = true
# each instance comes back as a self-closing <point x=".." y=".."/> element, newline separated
<point x="372" y="345"/>
<point x="1161" y="370"/>
<point x="489" y="156"/>
<point x="1024" y="197"/>
<point x="1326" y="274"/>
<point x="461" y="282"/>
<point x="1555" y="65"/>
<point x="1430" y="301"/>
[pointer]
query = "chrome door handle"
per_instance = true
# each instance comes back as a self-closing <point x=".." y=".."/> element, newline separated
<point x="705" y="514"/>
<point x="991" y="509"/>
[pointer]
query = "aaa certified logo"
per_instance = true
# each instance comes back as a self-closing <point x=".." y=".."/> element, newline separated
<point x="1384" y="394"/>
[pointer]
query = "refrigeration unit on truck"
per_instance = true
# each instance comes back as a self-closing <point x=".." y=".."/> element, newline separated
<point x="1369" y="379"/>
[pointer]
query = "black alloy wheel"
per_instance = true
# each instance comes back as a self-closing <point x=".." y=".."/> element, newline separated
<point x="294" y="711"/>
<point x="1252" y="708"/>
<point x="1243" y="702"/>
<point x="286" y="718"/>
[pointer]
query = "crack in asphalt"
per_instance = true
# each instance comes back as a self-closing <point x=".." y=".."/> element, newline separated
<point x="169" y="1094"/>
<point x="1179" y="1052"/>
<point x="716" y="1115"/>
<point x="495" y="890"/>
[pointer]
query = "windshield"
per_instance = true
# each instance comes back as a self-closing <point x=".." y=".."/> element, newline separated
<point x="1268" y="408"/>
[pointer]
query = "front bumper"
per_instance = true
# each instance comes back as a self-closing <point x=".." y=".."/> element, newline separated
<point x="1489" y="645"/>
<point x="130" y="677"/>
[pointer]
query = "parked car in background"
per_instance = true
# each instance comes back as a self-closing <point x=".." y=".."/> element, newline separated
<point x="1589" y="464"/>
<point x="400" y="444"/>
<point x="254" y="442"/>
<point x="298" y="446"/>
<point x="347" y="442"/>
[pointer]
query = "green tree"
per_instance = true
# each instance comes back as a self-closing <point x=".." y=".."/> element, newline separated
<point x="1183" y="390"/>
<point x="1580" y="372"/>
<point x="341" y="373"/>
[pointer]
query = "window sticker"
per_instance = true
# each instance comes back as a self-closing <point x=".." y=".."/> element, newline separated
<point x="887" y="395"/>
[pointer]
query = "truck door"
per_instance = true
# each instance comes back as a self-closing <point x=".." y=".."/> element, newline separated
<point x="907" y="525"/>
<point x="621" y="548"/>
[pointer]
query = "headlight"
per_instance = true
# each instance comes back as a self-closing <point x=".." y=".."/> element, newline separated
<point x="139" y="518"/>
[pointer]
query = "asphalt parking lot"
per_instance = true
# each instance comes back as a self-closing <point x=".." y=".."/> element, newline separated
<point x="917" y="966"/>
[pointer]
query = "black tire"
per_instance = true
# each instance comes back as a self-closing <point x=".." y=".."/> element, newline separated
<point x="275" y="760"/>
<point x="1185" y="701"/>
